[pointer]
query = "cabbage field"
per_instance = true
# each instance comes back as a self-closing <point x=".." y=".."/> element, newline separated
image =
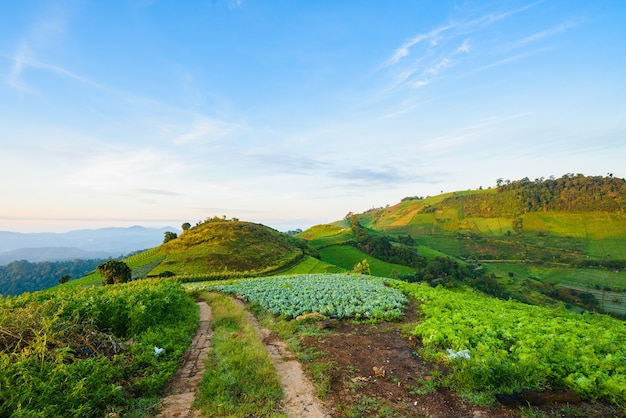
<point x="344" y="295"/>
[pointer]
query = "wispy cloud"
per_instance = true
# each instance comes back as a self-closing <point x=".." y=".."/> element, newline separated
<point x="132" y="167"/>
<point x="235" y="4"/>
<point x="370" y="177"/>
<point x="547" y="33"/>
<point x="511" y="59"/>
<point x="205" y="129"/>
<point x="447" y="50"/>
<point x="41" y="35"/>
<point x="467" y="134"/>
<point x="455" y="28"/>
<point x="404" y="50"/>
<point x="155" y="192"/>
<point x="291" y="164"/>
<point x="20" y="61"/>
<point x="464" y="47"/>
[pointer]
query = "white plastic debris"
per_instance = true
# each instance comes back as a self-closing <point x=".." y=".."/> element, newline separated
<point x="158" y="351"/>
<point x="462" y="354"/>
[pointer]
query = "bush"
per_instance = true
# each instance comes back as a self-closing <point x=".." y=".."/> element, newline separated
<point x="114" y="272"/>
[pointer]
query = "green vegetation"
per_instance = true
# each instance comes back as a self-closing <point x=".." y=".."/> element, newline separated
<point x="343" y="295"/>
<point x="240" y="379"/>
<point x="346" y="257"/>
<point x="311" y="265"/>
<point x="63" y="351"/>
<point x="114" y="272"/>
<point x="219" y="246"/>
<point x="512" y="346"/>
<point x="569" y="229"/>
<point x="88" y="350"/>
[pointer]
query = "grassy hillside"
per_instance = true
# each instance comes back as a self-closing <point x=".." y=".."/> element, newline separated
<point x="566" y="233"/>
<point x="226" y="246"/>
<point x="214" y="248"/>
<point x="574" y="217"/>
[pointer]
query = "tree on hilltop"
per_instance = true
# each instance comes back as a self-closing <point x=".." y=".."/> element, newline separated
<point x="168" y="236"/>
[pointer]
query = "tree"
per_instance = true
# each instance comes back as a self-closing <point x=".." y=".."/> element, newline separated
<point x="169" y="235"/>
<point x="114" y="272"/>
<point x="186" y="226"/>
<point x="64" y="279"/>
<point x="362" y="267"/>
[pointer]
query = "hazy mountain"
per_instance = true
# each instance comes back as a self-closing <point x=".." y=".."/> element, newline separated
<point x="110" y="241"/>
<point x="36" y="255"/>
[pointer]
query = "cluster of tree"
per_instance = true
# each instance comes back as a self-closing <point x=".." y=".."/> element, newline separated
<point x="572" y="192"/>
<point x="215" y="219"/>
<point x="23" y="276"/>
<point x="382" y="246"/>
<point x="444" y="271"/>
<point x="609" y="264"/>
<point x="572" y="296"/>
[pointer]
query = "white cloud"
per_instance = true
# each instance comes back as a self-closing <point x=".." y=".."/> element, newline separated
<point x="120" y="168"/>
<point x="205" y="129"/>
<point x="420" y="83"/>
<point x="464" y="47"/>
<point x="467" y="134"/>
<point x="433" y="37"/>
<point x="436" y="69"/>
<point x="546" y="33"/>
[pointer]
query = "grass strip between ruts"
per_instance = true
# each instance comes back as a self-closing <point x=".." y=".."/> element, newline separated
<point x="240" y="379"/>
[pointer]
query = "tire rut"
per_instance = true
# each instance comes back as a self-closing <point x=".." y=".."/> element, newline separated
<point x="184" y="384"/>
<point x="300" y="399"/>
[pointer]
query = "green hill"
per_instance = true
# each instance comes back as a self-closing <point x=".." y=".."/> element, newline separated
<point x="573" y="218"/>
<point x="214" y="248"/>
<point x="218" y="246"/>
<point x="543" y="239"/>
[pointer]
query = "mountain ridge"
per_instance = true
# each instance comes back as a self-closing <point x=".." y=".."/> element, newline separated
<point x="113" y="240"/>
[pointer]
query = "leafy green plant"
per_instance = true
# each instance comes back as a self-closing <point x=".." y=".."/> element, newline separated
<point x="63" y="352"/>
<point x="511" y="346"/>
<point x="343" y="295"/>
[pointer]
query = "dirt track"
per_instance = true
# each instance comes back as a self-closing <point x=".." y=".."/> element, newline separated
<point x="185" y="382"/>
<point x="300" y="400"/>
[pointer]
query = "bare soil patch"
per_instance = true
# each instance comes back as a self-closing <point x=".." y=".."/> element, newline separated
<point x="378" y="372"/>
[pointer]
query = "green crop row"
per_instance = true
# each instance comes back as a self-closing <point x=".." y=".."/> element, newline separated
<point x="344" y="295"/>
<point x="511" y="346"/>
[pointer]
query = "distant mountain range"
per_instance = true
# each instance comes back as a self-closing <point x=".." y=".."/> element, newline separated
<point x="79" y="244"/>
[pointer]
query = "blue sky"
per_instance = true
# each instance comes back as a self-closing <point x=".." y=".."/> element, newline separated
<point x="293" y="113"/>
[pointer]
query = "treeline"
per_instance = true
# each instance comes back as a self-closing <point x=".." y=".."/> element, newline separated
<point x="23" y="276"/>
<point x="383" y="247"/>
<point x="571" y="192"/>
